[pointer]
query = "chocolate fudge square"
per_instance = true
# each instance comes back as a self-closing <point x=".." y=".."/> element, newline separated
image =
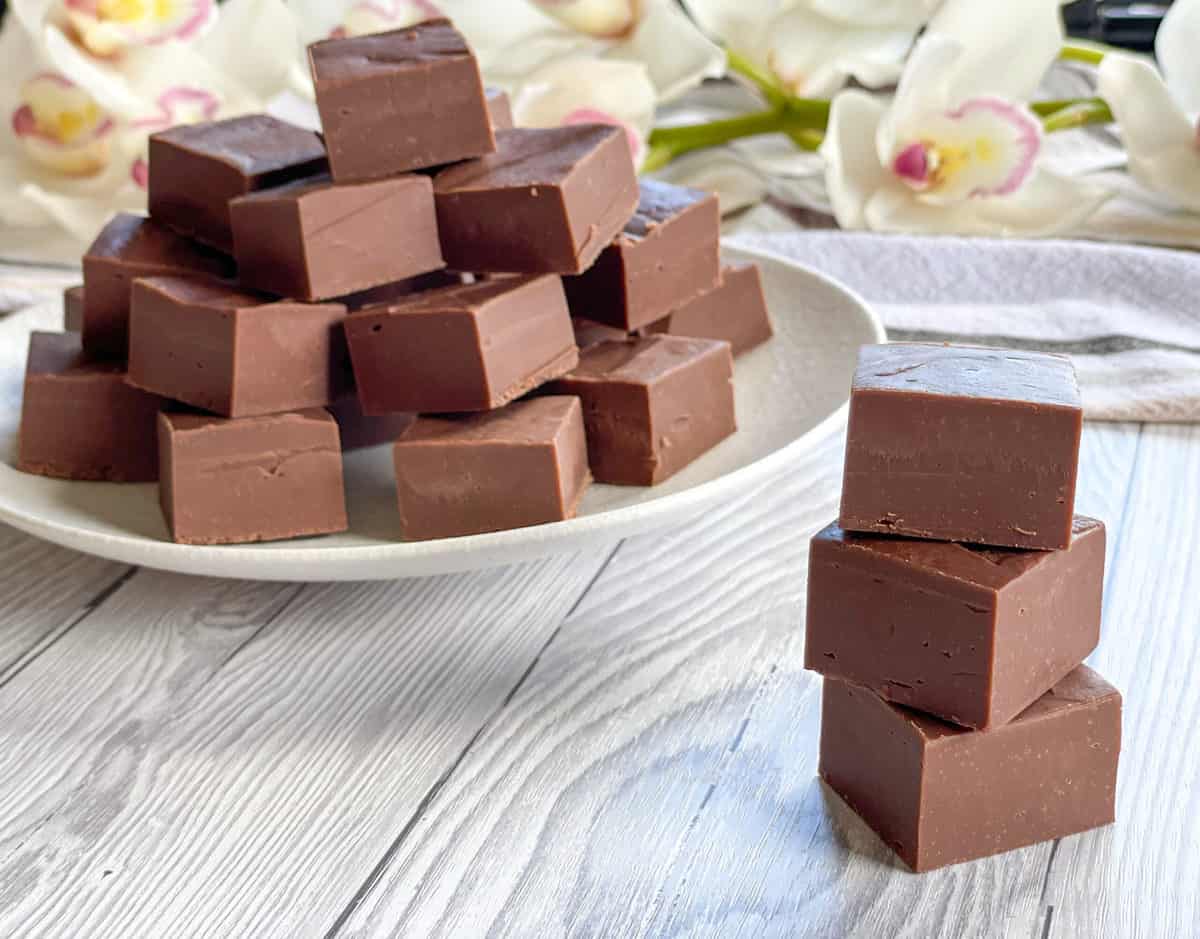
<point x="131" y="246"/>
<point x="735" y="310"/>
<point x="549" y="200"/>
<point x="73" y="309"/>
<point x="359" y="430"/>
<point x="195" y="169"/>
<point x="651" y="405"/>
<point x="499" y="108"/>
<point x="315" y="240"/>
<point x="231" y="481"/>
<point x="472" y="347"/>
<point x="939" y="794"/>
<point x="235" y="353"/>
<point x="80" y="420"/>
<point x="961" y="443"/>
<point x="968" y="634"/>
<point x="524" y="464"/>
<point x="667" y="254"/>
<point x="399" y="101"/>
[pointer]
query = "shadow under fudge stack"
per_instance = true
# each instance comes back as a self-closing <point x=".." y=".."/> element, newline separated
<point x="952" y="604"/>
<point x="411" y="261"/>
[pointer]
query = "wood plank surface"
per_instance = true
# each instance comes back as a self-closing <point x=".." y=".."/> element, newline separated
<point x="618" y="744"/>
<point x="656" y="775"/>
<point x="221" y="759"/>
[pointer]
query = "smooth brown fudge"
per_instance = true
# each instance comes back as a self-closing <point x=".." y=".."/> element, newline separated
<point x="548" y="200"/>
<point x="499" y="108"/>
<point x="249" y="479"/>
<point x="735" y="310"/>
<point x="971" y="635"/>
<point x="467" y="348"/>
<point x="524" y="464"/>
<point x="939" y="794"/>
<point x="397" y="290"/>
<point x="359" y="430"/>
<point x="235" y="353"/>
<point x="73" y="309"/>
<point x="80" y="420"/>
<point x="589" y="333"/>
<point x="667" y="255"/>
<point x="195" y="169"/>
<point x="651" y="405"/>
<point x="316" y="240"/>
<point x="961" y="443"/>
<point x="129" y="247"/>
<point x="399" y="101"/>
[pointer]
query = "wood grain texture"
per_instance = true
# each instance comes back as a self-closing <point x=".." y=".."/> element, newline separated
<point x="261" y="798"/>
<point x="656" y="774"/>
<point x="44" y="589"/>
<point x="1140" y="879"/>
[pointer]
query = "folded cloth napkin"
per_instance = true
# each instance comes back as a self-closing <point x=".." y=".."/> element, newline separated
<point x="1129" y="317"/>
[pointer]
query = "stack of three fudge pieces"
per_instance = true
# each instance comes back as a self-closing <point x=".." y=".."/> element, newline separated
<point x="952" y="604"/>
<point x="579" y="325"/>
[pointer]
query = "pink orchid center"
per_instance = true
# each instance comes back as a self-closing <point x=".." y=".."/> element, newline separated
<point x="985" y="147"/>
<point x="108" y="27"/>
<point x="61" y="127"/>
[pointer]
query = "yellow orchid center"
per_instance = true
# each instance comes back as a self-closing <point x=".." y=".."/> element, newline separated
<point x="108" y="27"/>
<point x="61" y="126"/>
<point x="986" y="147"/>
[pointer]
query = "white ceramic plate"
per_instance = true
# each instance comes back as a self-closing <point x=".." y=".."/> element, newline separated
<point x="790" y="392"/>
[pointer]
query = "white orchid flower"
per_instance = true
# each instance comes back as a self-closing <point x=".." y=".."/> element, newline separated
<point x="955" y="151"/>
<point x="811" y="48"/>
<point x="1157" y="117"/>
<point x="74" y="123"/>
<point x="513" y="39"/>
<point x="589" y="91"/>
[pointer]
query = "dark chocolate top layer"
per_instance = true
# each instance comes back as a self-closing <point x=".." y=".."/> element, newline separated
<point x="253" y="143"/>
<point x="986" y="567"/>
<point x="62" y="354"/>
<point x="362" y="56"/>
<point x="527" y="156"/>
<point x="142" y="240"/>
<point x="529" y="421"/>
<point x="640" y="359"/>
<point x="457" y="298"/>
<point x="968" y="371"/>
<point x="1081" y="687"/>
<point x="660" y="202"/>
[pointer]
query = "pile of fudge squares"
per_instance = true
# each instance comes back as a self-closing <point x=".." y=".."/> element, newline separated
<point x="951" y="605"/>
<point x="509" y="306"/>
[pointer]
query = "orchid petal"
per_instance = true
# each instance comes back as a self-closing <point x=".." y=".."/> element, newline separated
<point x="903" y="13"/>
<point x="677" y="56"/>
<point x="1148" y="116"/>
<point x="1008" y="47"/>
<point x="740" y="26"/>
<point x="1173" y="172"/>
<point x="923" y="89"/>
<point x="254" y="43"/>
<point x="589" y="91"/>
<point x="813" y="55"/>
<point x="604" y="19"/>
<point x="853" y="171"/>
<point x="1048" y="204"/>
<point x="1177" y="45"/>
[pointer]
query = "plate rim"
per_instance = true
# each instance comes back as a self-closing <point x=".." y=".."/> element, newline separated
<point x="430" y="558"/>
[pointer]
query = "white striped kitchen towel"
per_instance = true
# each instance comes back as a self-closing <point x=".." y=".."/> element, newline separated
<point x="1128" y="316"/>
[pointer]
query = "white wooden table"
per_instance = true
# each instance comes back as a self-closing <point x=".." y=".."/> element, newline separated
<point x="612" y="745"/>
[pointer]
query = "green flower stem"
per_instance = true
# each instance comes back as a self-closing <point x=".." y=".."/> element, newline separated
<point x="1078" y="114"/>
<point x="765" y="83"/>
<point x="799" y="120"/>
<point x="1092" y="54"/>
